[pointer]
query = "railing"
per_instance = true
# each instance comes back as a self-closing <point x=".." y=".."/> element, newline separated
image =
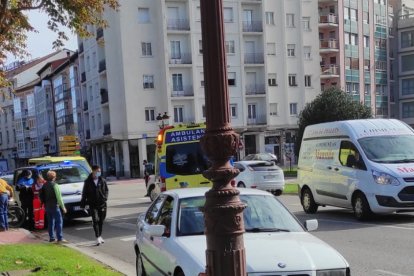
<point x="330" y="19"/>
<point x="181" y="58"/>
<point x="104" y="96"/>
<point x="254" y="58"/>
<point x="107" y="129"/>
<point x="184" y="91"/>
<point x="99" y="33"/>
<point x="102" y="66"/>
<point x="258" y="120"/>
<point x="80" y="48"/>
<point x="88" y="134"/>
<point x="407" y="16"/>
<point x="178" y="24"/>
<point x="330" y="70"/>
<point x="252" y="26"/>
<point x="83" y="77"/>
<point x="329" y="44"/>
<point x="85" y="106"/>
<point x="255" y="89"/>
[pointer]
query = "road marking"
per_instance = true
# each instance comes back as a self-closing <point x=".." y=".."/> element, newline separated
<point x="83" y="228"/>
<point x="388" y="272"/>
<point x="369" y="224"/>
<point x="132" y="238"/>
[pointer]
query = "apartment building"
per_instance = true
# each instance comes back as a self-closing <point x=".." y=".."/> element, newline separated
<point x="353" y="47"/>
<point x="149" y="62"/>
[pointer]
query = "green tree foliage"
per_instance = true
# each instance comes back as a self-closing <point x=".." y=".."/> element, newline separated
<point x="73" y="14"/>
<point x="331" y="105"/>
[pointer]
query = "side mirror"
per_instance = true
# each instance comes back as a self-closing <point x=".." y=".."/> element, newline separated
<point x="311" y="224"/>
<point x="155" y="230"/>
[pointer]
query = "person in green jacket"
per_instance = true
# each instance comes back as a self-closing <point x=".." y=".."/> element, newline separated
<point x="52" y="199"/>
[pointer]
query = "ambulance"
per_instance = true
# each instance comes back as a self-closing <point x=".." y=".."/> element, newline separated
<point x="363" y="165"/>
<point x="179" y="160"/>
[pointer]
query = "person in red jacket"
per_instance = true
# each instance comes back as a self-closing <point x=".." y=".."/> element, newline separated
<point x="38" y="208"/>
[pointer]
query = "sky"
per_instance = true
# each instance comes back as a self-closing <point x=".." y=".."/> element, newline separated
<point x="40" y="44"/>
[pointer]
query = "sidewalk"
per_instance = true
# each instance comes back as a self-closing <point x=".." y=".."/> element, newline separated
<point x="19" y="235"/>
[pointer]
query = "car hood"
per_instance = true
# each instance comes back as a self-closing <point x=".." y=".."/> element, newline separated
<point x="265" y="251"/>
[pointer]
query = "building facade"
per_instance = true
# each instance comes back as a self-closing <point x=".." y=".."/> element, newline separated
<point x="151" y="63"/>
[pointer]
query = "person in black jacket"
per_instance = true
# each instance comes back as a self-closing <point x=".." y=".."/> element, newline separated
<point x="95" y="194"/>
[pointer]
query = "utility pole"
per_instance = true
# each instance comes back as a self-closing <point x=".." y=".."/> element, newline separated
<point x="223" y="210"/>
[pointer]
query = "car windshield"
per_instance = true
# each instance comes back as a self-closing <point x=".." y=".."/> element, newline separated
<point x="264" y="213"/>
<point x="389" y="149"/>
<point x="186" y="159"/>
<point x="67" y="174"/>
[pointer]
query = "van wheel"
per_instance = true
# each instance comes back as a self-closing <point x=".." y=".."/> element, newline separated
<point x="241" y="185"/>
<point x="361" y="207"/>
<point x="308" y="203"/>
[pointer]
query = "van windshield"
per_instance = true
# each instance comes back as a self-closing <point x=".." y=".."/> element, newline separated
<point x="186" y="159"/>
<point x="67" y="174"/>
<point x="389" y="149"/>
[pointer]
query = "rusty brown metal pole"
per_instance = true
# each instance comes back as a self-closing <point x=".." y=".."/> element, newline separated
<point x="223" y="210"/>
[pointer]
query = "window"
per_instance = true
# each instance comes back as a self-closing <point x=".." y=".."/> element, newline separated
<point x="149" y="114"/>
<point x="308" y="81"/>
<point x="407" y="39"/>
<point x="148" y="81"/>
<point x="230" y="47"/>
<point x="233" y="110"/>
<point x="270" y="18"/>
<point x="271" y="49"/>
<point x="166" y="215"/>
<point x="273" y="109"/>
<point x="178" y="114"/>
<point x="355" y="88"/>
<point x="292" y="80"/>
<point x="251" y="111"/>
<point x="380" y="65"/>
<point x="290" y="20"/>
<point x="88" y="63"/>
<point x="200" y="46"/>
<point x="307" y="52"/>
<point x="293" y="108"/>
<point x="407" y="86"/>
<point x="366" y="41"/>
<point x="143" y="15"/>
<point x="271" y="80"/>
<point x="353" y="14"/>
<point x="202" y="79"/>
<point x="291" y="50"/>
<point x="407" y="63"/>
<point x="99" y="121"/>
<point x="380" y="43"/>
<point x="367" y="89"/>
<point x="408" y="110"/>
<point x="175" y="46"/>
<point x="228" y="14"/>
<point x="365" y="17"/>
<point x="177" y="82"/>
<point x="146" y="48"/>
<point x="346" y="13"/>
<point x="198" y="14"/>
<point x="93" y="122"/>
<point x="350" y="157"/>
<point x="153" y="211"/>
<point x="94" y="63"/>
<point x="231" y="78"/>
<point x="203" y="111"/>
<point x="306" y="23"/>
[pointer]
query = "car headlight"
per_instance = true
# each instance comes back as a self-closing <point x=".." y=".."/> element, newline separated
<point x="334" y="272"/>
<point x="385" y="178"/>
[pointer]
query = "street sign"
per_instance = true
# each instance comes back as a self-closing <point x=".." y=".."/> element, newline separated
<point x="69" y="145"/>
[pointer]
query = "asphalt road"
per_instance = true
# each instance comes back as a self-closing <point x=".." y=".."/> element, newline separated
<point x="383" y="246"/>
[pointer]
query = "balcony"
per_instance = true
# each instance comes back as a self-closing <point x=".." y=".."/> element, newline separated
<point x="88" y="134"/>
<point x="80" y="47"/>
<point x="104" y="96"/>
<point x="259" y="120"/>
<point x="328" y="21"/>
<point x="107" y="129"/>
<point x="330" y="71"/>
<point x="178" y="24"/>
<point x="102" y="66"/>
<point x="184" y="91"/>
<point x="85" y="106"/>
<point x="253" y="58"/>
<point x="181" y="58"/>
<point x="253" y="26"/>
<point x="255" y="89"/>
<point x="83" y="77"/>
<point x="329" y="46"/>
<point x="99" y="33"/>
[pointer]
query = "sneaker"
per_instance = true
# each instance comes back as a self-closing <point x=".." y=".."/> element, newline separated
<point x="52" y="240"/>
<point x="98" y="241"/>
<point x="102" y="240"/>
<point x="62" y="241"/>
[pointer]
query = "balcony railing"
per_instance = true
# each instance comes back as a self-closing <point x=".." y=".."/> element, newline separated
<point x="102" y="66"/>
<point x="107" y="129"/>
<point x="184" y="91"/>
<point x="255" y="89"/>
<point x="104" y="96"/>
<point x="329" y="44"/>
<point x="329" y="70"/>
<point x="178" y="24"/>
<point x="83" y="77"/>
<point x="99" y="33"/>
<point x="258" y="120"/>
<point x="88" y="134"/>
<point x="252" y="26"/>
<point x="254" y="58"/>
<point x="328" y="19"/>
<point x="181" y="58"/>
<point x="80" y="47"/>
<point x="85" y="106"/>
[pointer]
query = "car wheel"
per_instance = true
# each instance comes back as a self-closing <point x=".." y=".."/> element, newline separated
<point x="139" y="265"/>
<point x="361" y="207"/>
<point x="277" y="192"/>
<point x="308" y="203"/>
<point x="241" y="185"/>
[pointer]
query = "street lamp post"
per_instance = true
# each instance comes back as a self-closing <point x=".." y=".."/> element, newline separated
<point x="46" y="144"/>
<point x="223" y="210"/>
<point x="162" y="119"/>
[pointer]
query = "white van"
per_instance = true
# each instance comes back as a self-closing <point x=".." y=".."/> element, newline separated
<point x="366" y="165"/>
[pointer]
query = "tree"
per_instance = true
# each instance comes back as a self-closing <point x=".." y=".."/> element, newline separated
<point x="73" y="14"/>
<point x="331" y="105"/>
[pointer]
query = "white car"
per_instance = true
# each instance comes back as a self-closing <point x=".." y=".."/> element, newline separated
<point x="263" y="175"/>
<point x="170" y="238"/>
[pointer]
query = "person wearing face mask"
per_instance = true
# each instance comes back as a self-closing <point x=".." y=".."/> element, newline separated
<point x="24" y="186"/>
<point x="95" y="194"/>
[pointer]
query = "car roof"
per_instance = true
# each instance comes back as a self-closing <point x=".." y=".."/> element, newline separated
<point x="195" y="192"/>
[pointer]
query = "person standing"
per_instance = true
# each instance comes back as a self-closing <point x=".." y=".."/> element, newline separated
<point x="52" y="199"/>
<point x="38" y="208"/>
<point x="6" y="192"/>
<point x="24" y="186"/>
<point x="95" y="194"/>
